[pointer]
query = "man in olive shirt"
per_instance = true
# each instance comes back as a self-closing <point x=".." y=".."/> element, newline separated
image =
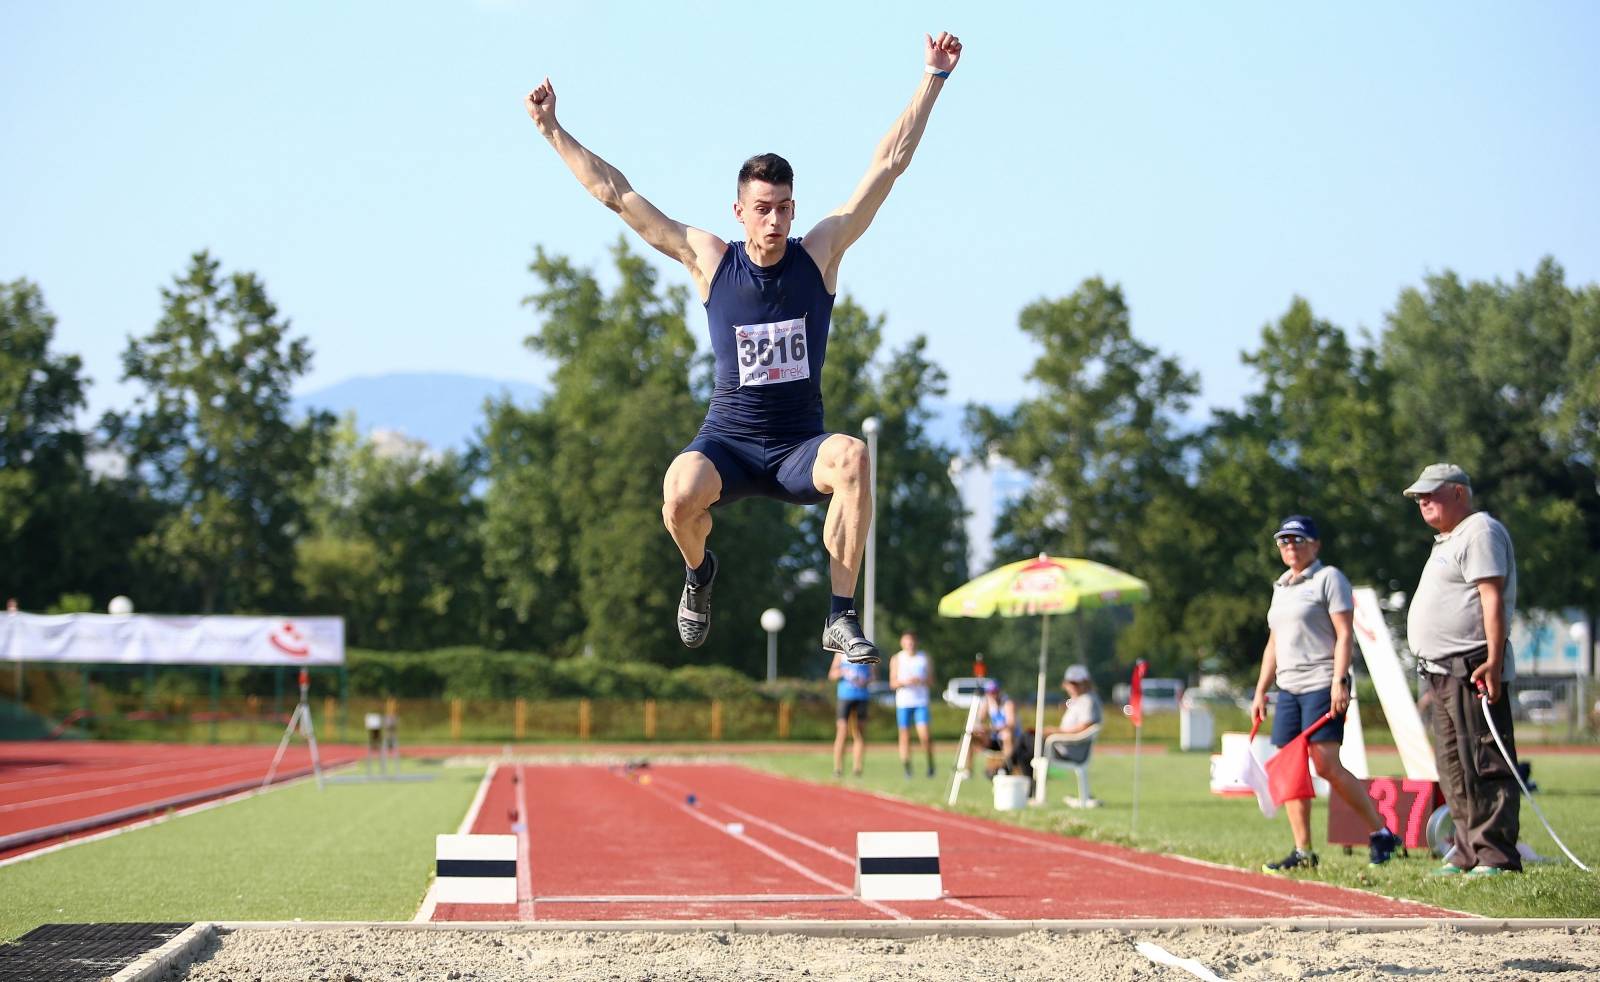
<point x="1458" y="626"/>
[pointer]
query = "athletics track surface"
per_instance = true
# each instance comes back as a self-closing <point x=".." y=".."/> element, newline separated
<point x="603" y="843"/>
<point x="58" y="789"/>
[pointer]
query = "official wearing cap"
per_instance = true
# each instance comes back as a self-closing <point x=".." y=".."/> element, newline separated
<point x="1458" y="626"/>
<point x="1083" y="705"/>
<point x="1309" y="645"/>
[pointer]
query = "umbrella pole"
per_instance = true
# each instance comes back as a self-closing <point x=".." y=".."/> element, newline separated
<point x="1040" y="765"/>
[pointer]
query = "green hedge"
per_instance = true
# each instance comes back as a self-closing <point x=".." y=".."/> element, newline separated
<point x="480" y="673"/>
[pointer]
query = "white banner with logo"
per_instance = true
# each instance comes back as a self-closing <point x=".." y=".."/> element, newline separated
<point x="143" y="639"/>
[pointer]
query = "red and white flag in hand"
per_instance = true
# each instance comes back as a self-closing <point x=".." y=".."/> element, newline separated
<point x="1289" y="770"/>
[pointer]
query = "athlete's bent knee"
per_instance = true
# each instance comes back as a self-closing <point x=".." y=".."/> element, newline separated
<point x="690" y="487"/>
<point x="849" y="460"/>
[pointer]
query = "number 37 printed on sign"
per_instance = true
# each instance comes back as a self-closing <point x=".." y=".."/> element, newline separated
<point x="773" y="352"/>
<point x="1404" y="804"/>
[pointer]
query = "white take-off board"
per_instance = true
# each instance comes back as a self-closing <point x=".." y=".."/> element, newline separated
<point x="898" y="866"/>
<point x="475" y="869"/>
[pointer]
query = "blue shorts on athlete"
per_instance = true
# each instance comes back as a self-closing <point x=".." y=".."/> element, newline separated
<point x="763" y="466"/>
<point x="1293" y="712"/>
<point x="904" y="716"/>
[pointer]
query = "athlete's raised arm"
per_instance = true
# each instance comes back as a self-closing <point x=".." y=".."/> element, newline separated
<point x="834" y="234"/>
<point x="697" y="249"/>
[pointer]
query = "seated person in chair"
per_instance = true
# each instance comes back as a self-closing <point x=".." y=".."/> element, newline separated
<point x="1081" y="716"/>
<point x="1071" y="742"/>
<point x="998" y="729"/>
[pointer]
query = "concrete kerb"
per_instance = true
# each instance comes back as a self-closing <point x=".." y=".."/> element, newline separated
<point x="947" y="928"/>
<point x="154" y="965"/>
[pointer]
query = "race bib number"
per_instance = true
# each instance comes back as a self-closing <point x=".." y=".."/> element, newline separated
<point x="771" y="353"/>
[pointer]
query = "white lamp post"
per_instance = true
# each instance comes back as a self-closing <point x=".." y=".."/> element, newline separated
<point x="869" y="426"/>
<point x="772" y="622"/>
<point x="120" y="606"/>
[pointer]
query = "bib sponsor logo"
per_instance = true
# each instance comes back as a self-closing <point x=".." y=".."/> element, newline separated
<point x="771" y="353"/>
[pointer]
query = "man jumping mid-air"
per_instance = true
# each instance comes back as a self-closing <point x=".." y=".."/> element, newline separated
<point x="768" y="302"/>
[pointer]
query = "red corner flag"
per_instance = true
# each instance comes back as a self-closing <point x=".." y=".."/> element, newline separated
<point x="1136" y="694"/>
<point x="1288" y="772"/>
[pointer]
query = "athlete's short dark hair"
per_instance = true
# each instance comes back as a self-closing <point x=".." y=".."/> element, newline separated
<point x="767" y="167"/>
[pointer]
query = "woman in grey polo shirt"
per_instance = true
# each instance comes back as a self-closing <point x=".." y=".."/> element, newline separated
<point x="1308" y="655"/>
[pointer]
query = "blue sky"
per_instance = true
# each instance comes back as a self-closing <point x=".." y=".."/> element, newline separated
<point x="372" y="162"/>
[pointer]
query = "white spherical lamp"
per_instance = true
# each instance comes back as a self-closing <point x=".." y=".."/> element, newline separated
<point x="772" y="620"/>
<point x="120" y="606"/>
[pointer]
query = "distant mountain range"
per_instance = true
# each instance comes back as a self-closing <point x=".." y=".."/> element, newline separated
<point x="445" y="410"/>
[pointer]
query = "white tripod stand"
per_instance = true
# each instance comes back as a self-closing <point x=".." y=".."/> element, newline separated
<point x="964" y="755"/>
<point x="301" y="720"/>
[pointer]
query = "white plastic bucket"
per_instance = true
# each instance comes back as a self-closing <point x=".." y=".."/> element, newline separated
<point x="1010" y="792"/>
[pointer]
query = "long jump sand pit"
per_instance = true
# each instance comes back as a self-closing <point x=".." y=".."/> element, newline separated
<point x="943" y="953"/>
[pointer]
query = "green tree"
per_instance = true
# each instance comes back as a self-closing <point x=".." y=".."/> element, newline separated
<point x="1104" y="443"/>
<point x="212" y="434"/>
<point x="1500" y="378"/>
<point x="574" y="511"/>
<point x="1315" y="438"/>
<point x="920" y="530"/>
<point x="395" y="545"/>
<point x="62" y="530"/>
<point x="40" y="393"/>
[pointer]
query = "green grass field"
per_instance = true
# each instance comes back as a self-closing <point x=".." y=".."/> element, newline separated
<point x="365" y="852"/>
<point x="1178" y="814"/>
<point x="351" y="852"/>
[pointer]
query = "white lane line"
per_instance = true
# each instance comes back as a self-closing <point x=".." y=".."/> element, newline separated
<point x="157" y="820"/>
<point x="973" y="909"/>
<point x="250" y="768"/>
<point x="524" y="853"/>
<point x="1088" y="854"/>
<point x="769" y="852"/>
<point x="821" y="847"/>
<point x="94" y="770"/>
<point x="471" y="817"/>
<point x="701" y="898"/>
<point x="425" y="911"/>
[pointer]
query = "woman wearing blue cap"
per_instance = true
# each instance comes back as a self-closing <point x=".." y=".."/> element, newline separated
<point x="1308" y="653"/>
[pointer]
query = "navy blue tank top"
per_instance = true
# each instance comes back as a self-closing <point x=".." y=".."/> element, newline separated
<point x="769" y="333"/>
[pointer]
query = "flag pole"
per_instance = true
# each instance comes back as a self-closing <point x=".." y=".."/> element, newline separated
<point x="1136" y="699"/>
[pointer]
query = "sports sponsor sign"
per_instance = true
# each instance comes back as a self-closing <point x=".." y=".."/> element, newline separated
<point x="145" y="639"/>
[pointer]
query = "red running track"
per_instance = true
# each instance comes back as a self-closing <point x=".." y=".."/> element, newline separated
<point x="604" y="844"/>
<point x="51" y="791"/>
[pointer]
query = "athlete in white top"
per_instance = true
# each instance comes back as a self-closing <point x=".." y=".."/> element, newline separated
<point x="911" y="677"/>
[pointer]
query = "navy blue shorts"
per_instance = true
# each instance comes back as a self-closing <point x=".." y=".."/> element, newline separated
<point x="763" y="466"/>
<point x="1292" y="713"/>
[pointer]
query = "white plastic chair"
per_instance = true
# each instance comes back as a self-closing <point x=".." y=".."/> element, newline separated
<point x="1079" y="768"/>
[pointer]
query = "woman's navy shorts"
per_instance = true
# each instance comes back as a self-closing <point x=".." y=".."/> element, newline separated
<point x="1293" y="712"/>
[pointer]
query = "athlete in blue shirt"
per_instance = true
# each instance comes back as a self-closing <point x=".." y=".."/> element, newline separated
<point x="768" y="302"/>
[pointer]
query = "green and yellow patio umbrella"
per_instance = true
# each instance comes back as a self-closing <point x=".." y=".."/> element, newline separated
<point x="1042" y="587"/>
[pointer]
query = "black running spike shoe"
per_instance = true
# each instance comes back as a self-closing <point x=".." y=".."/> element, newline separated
<point x="842" y="634"/>
<point x="694" y="608"/>
<point x="1381" y="846"/>
<point x="1296" y="861"/>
